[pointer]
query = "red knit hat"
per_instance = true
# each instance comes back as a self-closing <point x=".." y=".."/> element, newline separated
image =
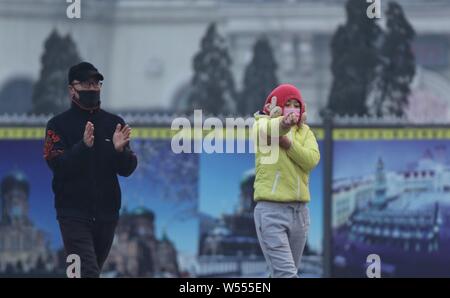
<point x="283" y="93"/>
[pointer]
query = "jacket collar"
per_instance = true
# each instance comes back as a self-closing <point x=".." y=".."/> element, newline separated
<point x="77" y="107"/>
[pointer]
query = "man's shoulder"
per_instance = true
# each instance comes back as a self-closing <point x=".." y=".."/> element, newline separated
<point x="61" y="117"/>
<point x="112" y="116"/>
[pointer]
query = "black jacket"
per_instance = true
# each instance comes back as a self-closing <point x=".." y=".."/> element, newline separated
<point x="85" y="180"/>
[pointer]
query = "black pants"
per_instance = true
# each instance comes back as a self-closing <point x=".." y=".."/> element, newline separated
<point x="91" y="240"/>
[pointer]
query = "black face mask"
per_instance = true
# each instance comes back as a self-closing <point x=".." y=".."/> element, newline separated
<point x="89" y="99"/>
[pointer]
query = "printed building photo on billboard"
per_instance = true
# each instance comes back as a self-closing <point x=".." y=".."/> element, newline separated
<point x="391" y="197"/>
<point x="228" y="244"/>
<point x="157" y="231"/>
<point x="156" y="235"/>
<point x="30" y="242"/>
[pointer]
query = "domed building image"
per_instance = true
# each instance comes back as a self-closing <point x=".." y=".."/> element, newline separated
<point x="24" y="248"/>
<point x="400" y="215"/>
<point x="136" y="252"/>
<point x="229" y="246"/>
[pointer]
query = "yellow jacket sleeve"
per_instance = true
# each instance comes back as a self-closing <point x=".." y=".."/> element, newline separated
<point x="306" y="155"/>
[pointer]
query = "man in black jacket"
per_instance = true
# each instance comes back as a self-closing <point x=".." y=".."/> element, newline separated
<point x="86" y="147"/>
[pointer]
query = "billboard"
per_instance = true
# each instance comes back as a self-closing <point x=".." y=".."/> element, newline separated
<point x="391" y="197"/>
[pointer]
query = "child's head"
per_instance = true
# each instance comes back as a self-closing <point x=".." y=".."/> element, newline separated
<point x="285" y="96"/>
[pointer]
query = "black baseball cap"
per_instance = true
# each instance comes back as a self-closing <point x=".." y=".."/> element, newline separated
<point x="83" y="72"/>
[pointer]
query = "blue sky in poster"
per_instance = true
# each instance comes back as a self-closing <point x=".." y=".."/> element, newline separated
<point x="220" y="175"/>
<point x="359" y="158"/>
<point x="161" y="172"/>
<point x="184" y="233"/>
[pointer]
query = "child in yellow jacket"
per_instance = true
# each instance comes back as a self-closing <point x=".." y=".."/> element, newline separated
<point x="282" y="186"/>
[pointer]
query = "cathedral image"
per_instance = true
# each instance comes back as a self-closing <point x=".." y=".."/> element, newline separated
<point x="136" y="252"/>
<point x="24" y="248"/>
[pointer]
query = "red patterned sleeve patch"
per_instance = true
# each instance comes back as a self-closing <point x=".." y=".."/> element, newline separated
<point x="50" y="139"/>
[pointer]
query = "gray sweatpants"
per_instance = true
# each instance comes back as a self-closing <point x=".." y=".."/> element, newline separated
<point x="282" y="229"/>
